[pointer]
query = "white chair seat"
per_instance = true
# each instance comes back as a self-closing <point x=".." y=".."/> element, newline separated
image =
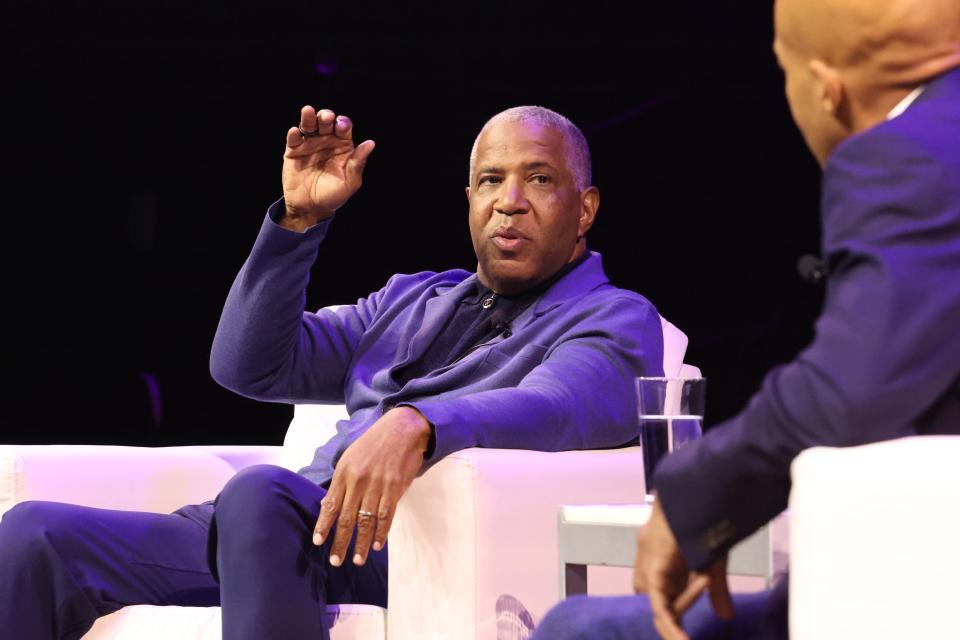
<point x="144" y="622"/>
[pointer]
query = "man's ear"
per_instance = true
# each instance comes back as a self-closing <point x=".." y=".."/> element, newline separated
<point x="467" y="190"/>
<point x="832" y="93"/>
<point x="590" y="202"/>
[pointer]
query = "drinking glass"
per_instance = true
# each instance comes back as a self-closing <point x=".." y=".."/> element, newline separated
<point x="671" y="415"/>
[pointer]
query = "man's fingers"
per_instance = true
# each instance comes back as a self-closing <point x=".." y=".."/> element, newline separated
<point x="388" y="507"/>
<point x="668" y="629"/>
<point x="720" y="591"/>
<point x="345" y="523"/>
<point x="664" y="619"/>
<point x="325" y="121"/>
<point x="695" y="587"/>
<point x="366" y="525"/>
<point x="358" y="160"/>
<point x="329" y="508"/>
<point x="343" y="127"/>
<point x="320" y="122"/>
<point x="384" y="522"/>
<point x="294" y="139"/>
<point x="308" y="118"/>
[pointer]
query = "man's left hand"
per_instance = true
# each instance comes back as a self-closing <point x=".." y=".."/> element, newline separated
<point x="662" y="573"/>
<point x="370" y="477"/>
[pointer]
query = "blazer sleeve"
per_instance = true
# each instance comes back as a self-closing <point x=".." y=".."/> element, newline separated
<point x="886" y="345"/>
<point x="581" y="396"/>
<point x="266" y="346"/>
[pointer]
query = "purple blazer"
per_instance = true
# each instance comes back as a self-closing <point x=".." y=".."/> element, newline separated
<point x="885" y="361"/>
<point x="563" y="379"/>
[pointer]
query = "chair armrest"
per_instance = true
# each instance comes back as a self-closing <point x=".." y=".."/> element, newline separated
<point x="242" y="456"/>
<point x="482" y="524"/>
<point x="132" y="478"/>
<point x="873" y="540"/>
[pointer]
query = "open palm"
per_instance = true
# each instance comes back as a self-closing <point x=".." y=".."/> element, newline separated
<point x="322" y="171"/>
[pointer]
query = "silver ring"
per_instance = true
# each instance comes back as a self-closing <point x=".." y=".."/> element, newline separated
<point x="365" y="514"/>
<point x="308" y="134"/>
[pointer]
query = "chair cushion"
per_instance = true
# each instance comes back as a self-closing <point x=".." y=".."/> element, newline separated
<point x="145" y="622"/>
<point x="313" y="424"/>
<point x="873" y="540"/>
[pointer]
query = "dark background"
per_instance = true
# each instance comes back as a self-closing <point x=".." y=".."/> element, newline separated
<point x="142" y="145"/>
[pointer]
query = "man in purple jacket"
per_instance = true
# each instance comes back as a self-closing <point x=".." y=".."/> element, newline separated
<point x="874" y="87"/>
<point x="536" y="350"/>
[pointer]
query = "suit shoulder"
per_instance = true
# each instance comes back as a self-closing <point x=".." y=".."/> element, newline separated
<point x="923" y="137"/>
<point x="891" y="176"/>
<point x="608" y="296"/>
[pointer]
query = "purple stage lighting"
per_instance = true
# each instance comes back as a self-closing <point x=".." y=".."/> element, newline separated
<point x="326" y="68"/>
<point x="153" y="392"/>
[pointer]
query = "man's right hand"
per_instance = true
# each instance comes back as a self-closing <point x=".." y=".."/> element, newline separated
<point x="661" y="572"/>
<point x="320" y="172"/>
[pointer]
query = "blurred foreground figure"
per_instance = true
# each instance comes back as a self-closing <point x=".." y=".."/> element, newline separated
<point x="873" y="86"/>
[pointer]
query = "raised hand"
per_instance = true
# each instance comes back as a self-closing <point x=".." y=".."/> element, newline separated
<point x="321" y="167"/>
<point x="370" y="477"/>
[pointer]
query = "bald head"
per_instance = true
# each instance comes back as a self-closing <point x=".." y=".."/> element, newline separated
<point x="848" y="62"/>
<point x="898" y="42"/>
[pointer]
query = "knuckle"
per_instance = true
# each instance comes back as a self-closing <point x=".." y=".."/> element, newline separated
<point x="365" y="524"/>
<point x="389" y="479"/>
<point x="354" y="473"/>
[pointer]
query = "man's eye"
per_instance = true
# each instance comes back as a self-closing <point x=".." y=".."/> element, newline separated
<point x="541" y="179"/>
<point x="489" y="179"/>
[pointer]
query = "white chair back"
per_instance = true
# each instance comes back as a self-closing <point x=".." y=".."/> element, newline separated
<point x="674" y="348"/>
<point x="312" y="425"/>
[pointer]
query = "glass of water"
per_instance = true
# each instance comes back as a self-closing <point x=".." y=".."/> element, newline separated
<point x="671" y="415"/>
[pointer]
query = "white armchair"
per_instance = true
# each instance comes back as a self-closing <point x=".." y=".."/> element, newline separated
<point x="875" y="541"/>
<point x="477" y="526"/>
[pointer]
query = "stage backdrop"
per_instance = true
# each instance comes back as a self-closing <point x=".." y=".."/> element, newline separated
<point x="143" y="143"/>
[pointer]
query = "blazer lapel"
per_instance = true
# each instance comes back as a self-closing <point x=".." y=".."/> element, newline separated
<point x="586" y="277"/>
<point x="437" y="310"/>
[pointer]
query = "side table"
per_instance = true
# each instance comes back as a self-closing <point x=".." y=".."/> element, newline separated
<point x="606" y="534"/>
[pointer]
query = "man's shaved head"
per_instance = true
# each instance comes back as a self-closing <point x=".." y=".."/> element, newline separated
<point x="865" y="55"/>
<point x="904" y="42"/>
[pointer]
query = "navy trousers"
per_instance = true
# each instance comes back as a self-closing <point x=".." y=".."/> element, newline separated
<point x="760" y="616"/>
<point x="250" y="551"/>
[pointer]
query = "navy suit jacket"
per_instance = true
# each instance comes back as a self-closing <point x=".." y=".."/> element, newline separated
<point x="885" y="360"/>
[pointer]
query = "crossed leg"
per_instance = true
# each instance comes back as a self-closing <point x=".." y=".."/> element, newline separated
<point x="62" y="566"/>
<point x="274" y="582"/>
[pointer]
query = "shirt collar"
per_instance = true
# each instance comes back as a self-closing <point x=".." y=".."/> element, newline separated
<point x="904" y="104"/>
<point x="478" y="292"/>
